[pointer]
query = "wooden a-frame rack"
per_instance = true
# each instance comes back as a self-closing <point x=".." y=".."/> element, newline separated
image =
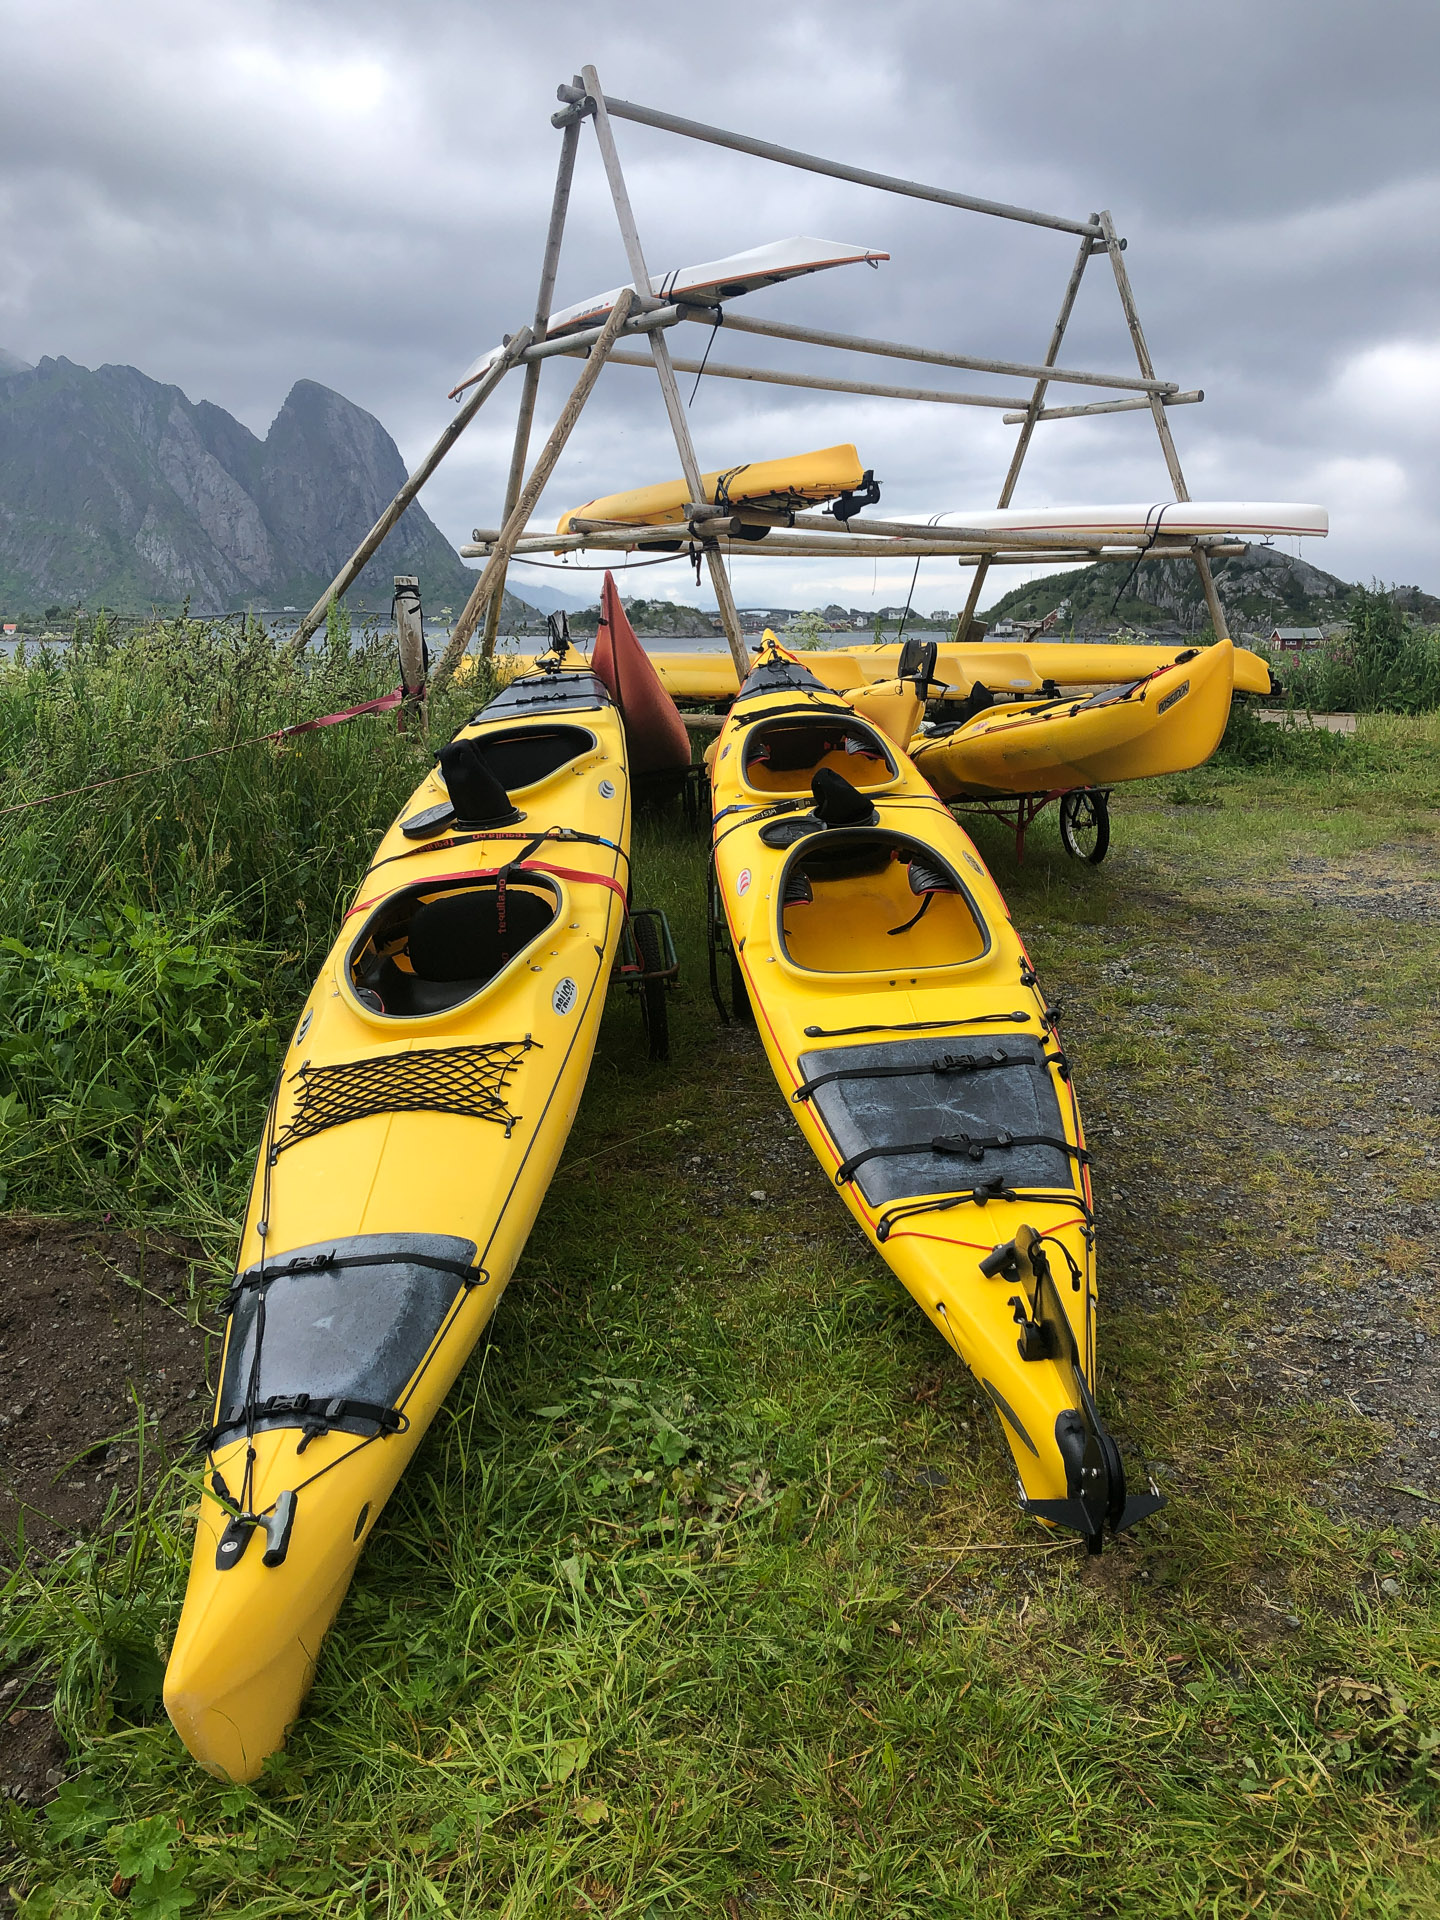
<point x="641" y="311"/>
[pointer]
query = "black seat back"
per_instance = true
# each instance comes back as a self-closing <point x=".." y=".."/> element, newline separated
<point x="459" y="936"/>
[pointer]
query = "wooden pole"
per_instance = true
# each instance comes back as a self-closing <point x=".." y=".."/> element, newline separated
<point x="1162" y="425"/>
<point x="807" y="162"/>
<point x="1027" y="427"/>
<point x="492" y="579"/>
<point x="1191" y="399"/>
<point x="352" y="568"/>
<point x="660" y="348"/>
<point x="933" y="357"/>
<point x="559" y="205"/>
<point x="410" y="635"/>
<point x="768" y="377"/>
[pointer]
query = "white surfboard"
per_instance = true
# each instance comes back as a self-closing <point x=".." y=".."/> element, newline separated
<point x="1249" y="519"/>
<point x="716" y="280"/>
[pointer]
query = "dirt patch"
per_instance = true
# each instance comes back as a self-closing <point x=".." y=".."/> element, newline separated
<point x="96" y="1333"/>
<point x="1394" y="882"/>
<point x="91" y="1324"/>
<point x="1293" y="1158"/>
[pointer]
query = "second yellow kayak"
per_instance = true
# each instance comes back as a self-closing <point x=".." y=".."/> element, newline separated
<point x="1171" y="721"/>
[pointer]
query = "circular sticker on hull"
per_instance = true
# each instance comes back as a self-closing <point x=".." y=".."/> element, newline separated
<point x="565" y="995"/>
<point x="607" y="789"/>
<point x="742" y="885"/>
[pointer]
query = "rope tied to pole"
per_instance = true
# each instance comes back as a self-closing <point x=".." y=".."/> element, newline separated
<point x="384" y="704"/>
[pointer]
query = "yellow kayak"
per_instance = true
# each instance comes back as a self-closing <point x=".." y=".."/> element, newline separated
<point x="903" y="1022"/>
<point x="1011" y="668"/>
<point x="418" y="1119"/>
<point x="1166" y="723"/>
<point x="802" y="479"/>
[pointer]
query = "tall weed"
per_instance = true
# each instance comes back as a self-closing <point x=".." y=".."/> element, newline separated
<point x="160" y="931"/>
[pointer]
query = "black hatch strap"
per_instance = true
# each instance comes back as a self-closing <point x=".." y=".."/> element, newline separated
<point x="330" y="1262"/>
<point x="947" y="1063"/>
<point x="980" y="1196"/>
<point x="917" y="1026"/>
<point x="960" y="1146"/>
<point x="317" y="1415"/>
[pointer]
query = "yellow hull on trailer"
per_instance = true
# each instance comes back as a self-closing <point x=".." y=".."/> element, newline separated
<point x="1013" y="668"/>
<point x="1167" y="723"/>
<point x="903" y="1023"/>
<point x="797" y="480"/>
<point x="419" y="1117"/>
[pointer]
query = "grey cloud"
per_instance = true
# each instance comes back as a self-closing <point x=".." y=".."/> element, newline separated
<point x="234" y="199"/>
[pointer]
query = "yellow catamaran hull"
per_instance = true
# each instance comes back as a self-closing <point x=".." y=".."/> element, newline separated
<point x="1167" y="723"/>
<point x="1008" y="668"/>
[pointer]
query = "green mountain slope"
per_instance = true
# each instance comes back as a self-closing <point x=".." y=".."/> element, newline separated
<point x="1259" y="590"/>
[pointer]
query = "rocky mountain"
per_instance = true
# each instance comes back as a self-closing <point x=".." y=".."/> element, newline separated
<point x="116" y="490"/>
<point x="1259" y="589"/>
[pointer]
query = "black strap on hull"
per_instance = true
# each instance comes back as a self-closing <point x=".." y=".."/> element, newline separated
<point x="316" y="1415"/>
<point x="332" y="1263"/>
<point x="948" y="1063"/>
<point x="960" y="1145"/>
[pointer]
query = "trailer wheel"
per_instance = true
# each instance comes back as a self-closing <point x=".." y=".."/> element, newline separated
<point x="1085" y="825"/>
<point x="653" y="1009"/>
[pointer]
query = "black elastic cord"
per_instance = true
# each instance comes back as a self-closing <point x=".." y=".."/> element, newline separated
<point x="703" y="360"/>
<point x="1125" y="587"/>
<point x="914" y="1026"/>
<point x="959" y="1146"/>
<point x="948" y="1063"/>
<point x="916" y="918"/>
<point x="559" y="834"/>
<point x="980" y="1196"/>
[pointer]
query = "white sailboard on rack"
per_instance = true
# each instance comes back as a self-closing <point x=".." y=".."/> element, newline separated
<point x="1168" y="519"/>
<point x="715" y="280"/>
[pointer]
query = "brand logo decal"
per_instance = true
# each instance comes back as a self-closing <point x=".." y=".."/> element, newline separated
<point x="565" y="995"/>
<point x="1170" y="698"/>
<point x="607" y="789"/>
<point x="742" y="885"/>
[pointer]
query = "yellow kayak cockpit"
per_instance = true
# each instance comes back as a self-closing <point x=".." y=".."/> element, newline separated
<point x="866" y="901"/>
<point x="783" y="756"/>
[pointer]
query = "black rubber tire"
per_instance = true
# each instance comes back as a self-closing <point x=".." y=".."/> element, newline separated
<point x="1085" y="825"/>
<point x="740" y="993"/>
<point x="653" y="1008"/>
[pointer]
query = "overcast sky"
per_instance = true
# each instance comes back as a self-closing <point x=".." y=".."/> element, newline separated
<point x="232" y="197"/>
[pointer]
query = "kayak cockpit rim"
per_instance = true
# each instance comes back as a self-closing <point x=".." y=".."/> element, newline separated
<point x="433" y="947"/>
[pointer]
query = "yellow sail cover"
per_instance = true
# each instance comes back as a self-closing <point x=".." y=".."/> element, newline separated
<point x="802" y="479"/>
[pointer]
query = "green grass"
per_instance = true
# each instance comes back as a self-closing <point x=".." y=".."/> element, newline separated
<point x="707" y="1593"/>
